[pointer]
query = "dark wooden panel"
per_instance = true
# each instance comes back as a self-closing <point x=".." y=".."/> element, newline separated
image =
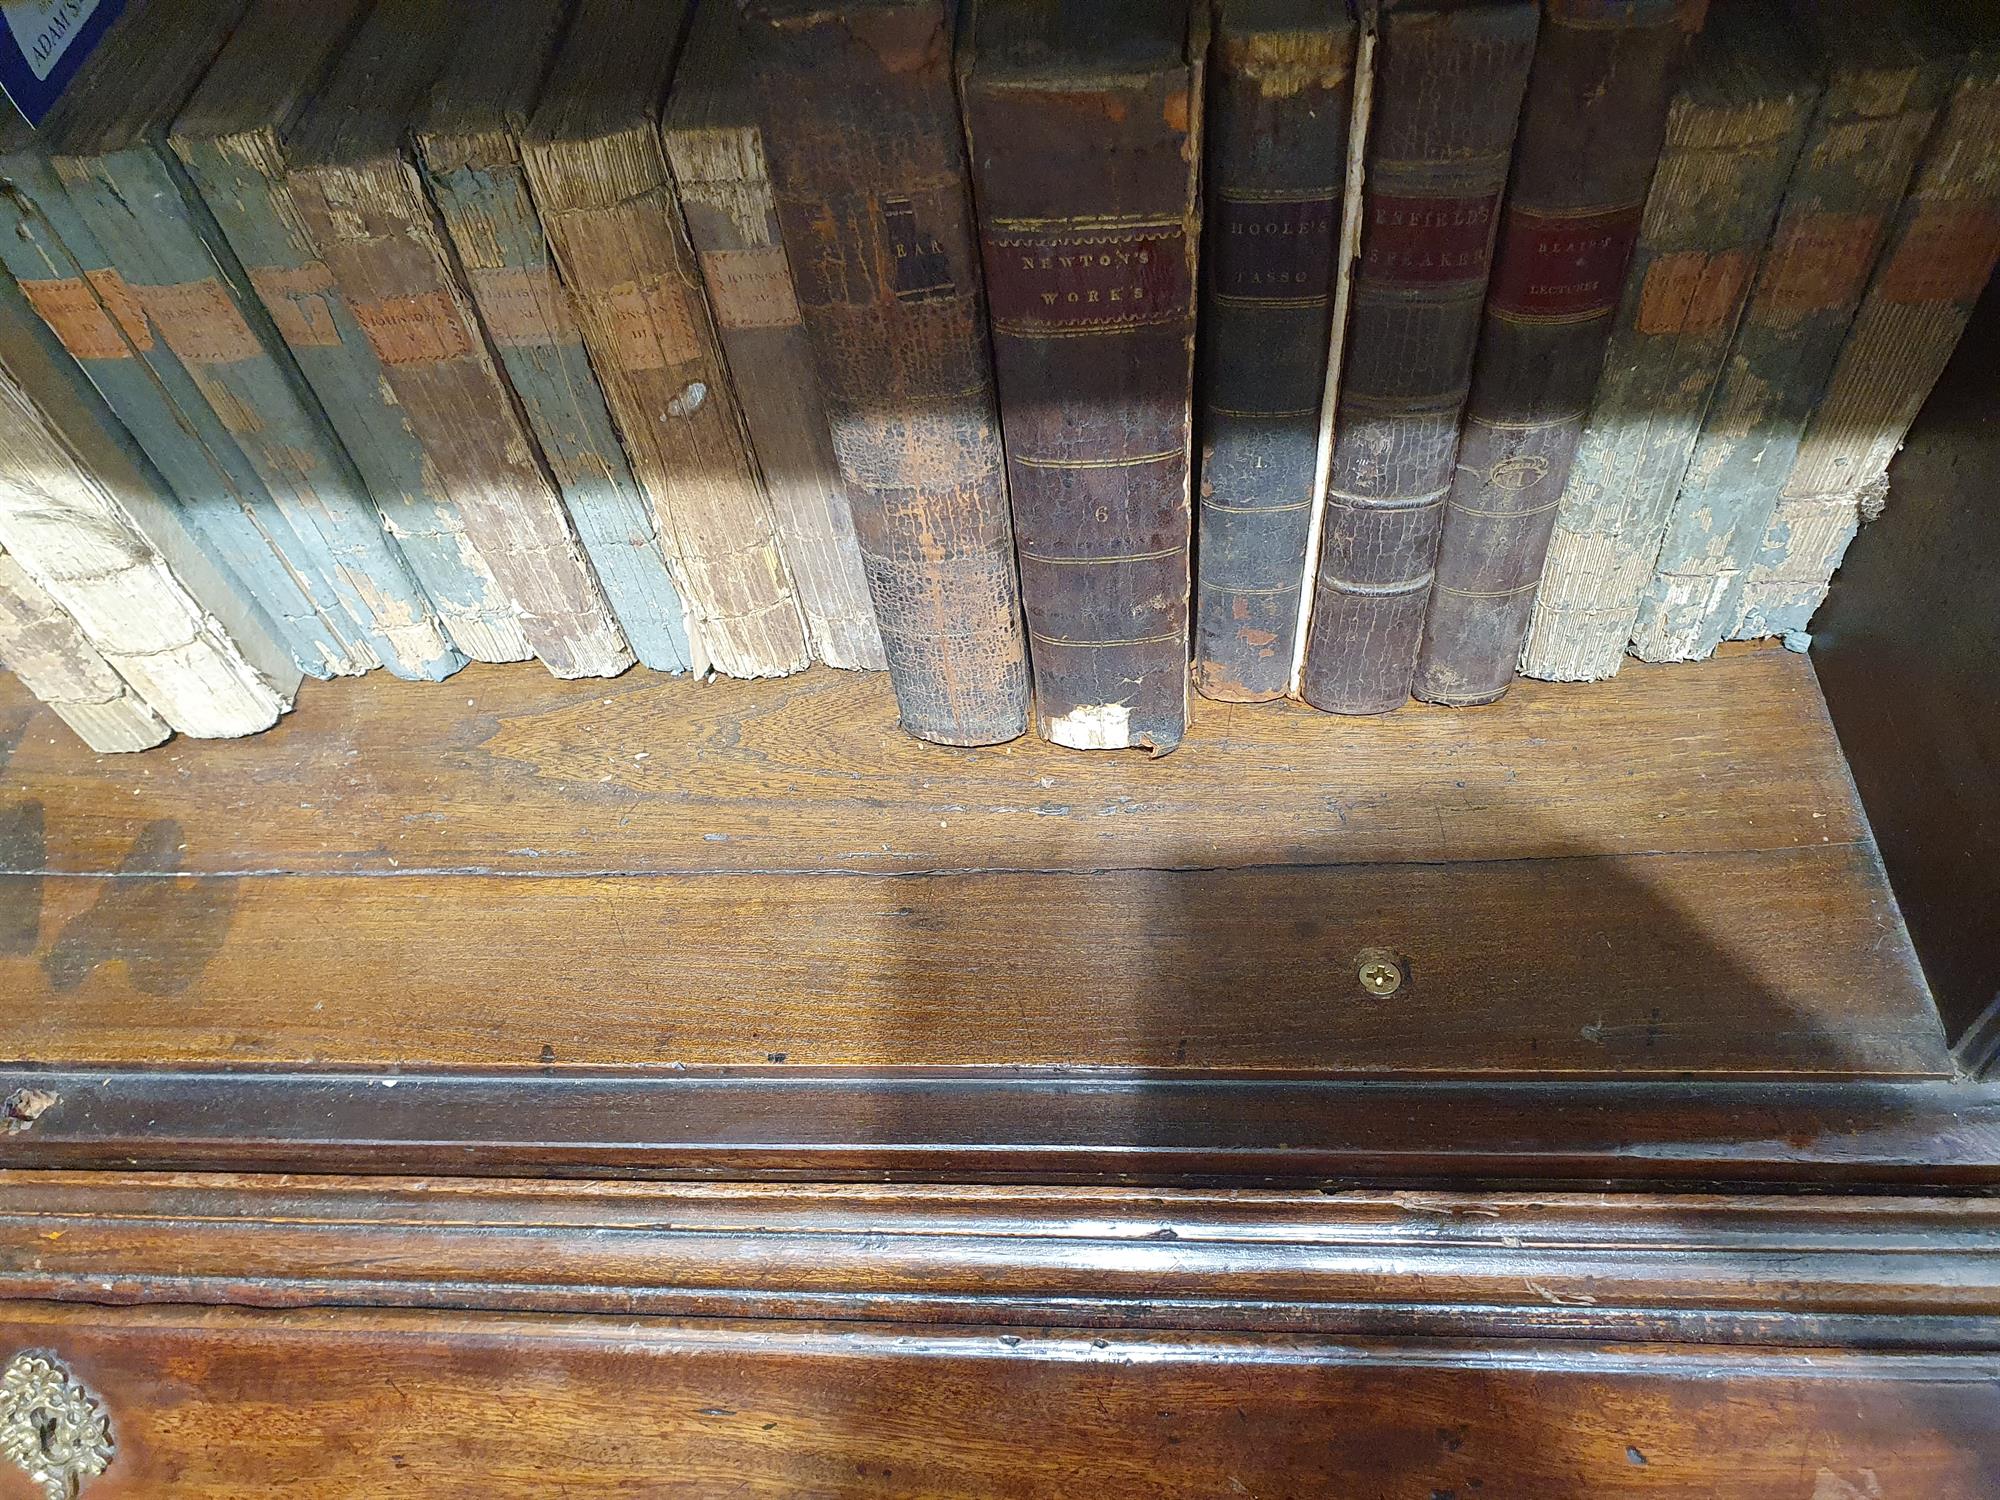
<point x="230" y="1405"/>
<point x="504" y="768"/>
<point x="1762" y="963"/>
<point x="1012" y="1125"/>
<point x="1908" y="645"/>
<point x="1805" y="1270"/>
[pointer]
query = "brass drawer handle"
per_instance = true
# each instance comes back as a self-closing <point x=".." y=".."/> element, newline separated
<point x="51" y="1426"/>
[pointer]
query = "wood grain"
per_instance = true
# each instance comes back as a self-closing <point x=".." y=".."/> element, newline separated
<point x="1862" y="1272"/>
<point x="506" y="771"/>
<point x="229" y="1405"/>
<point x="1019" y="1125"/>
<point x="1762" y="962"/>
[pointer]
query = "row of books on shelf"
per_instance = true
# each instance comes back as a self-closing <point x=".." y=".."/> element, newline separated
<point x="731" y="336"/>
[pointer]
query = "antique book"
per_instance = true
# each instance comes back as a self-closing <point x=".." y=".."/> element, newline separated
<point x="1887" y="71"/>
<point x="867" y="159"/>
<point x="1733" y="133"/>
<point x="600" y="179"/>
<point x="1939" y="255"/>
<point x="48" y="651"/>
<point x="1084" y="129"/>
<point x="1448" y="85"/>
<point x="108" y="141"/>
<point x="363" y="208"/>
<point x="1591" y="128"/>
<point x="92" y="525"/>
<point x="717" y="155"/>
<point x="1279" y="97"/>
<point x="71" y="284"/>
<point x="230" y="136"/>
<point x="470" y="135"/>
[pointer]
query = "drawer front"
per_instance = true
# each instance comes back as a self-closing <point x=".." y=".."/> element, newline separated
<point x="228" y="1403"/>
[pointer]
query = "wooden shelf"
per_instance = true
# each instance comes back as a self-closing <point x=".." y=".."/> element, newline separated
<point x="1663" y="876"/>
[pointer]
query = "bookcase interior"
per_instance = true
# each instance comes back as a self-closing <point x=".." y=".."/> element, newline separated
<point x="1662" y="876"/>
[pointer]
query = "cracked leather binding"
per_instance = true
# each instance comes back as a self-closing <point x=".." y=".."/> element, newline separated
<point x="1732" y="136"/>
<point x="867" y="166"/>
<point x="1279" y="97"/>
<point x="1888" y="70"/>
<point x="1448" y="82"/>
<point x="1591" y="130"/>
<point x="1084" y="127"/>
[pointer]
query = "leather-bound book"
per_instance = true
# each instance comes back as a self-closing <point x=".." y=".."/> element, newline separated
<point x="108" y="140"/>
<point x="600" y="179"/>
<point x="70" y="282"/>
<point x="1591" y="130"/>
<point x="470" y="137"/>
<point x="87" y="524"/>
<point x="1084" y="125"/>
<point x="867" y="159"/>
<point x="1887" y="71"/>
<point x="717" y="154"/>
<point x="1940" y="253"/>
<point x="1448" y="83"/>
<point x="363" y="208"/>
<point x="1280" y="92"/>
<point x="53" y="659"/>
<point x="231" y="136"/>
<point x="1732" y="136"/>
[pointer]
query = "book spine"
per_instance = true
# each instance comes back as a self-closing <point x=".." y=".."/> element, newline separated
<point x="243" y="183"/>
<point x="377" y="233"/>
<point x="1851" y="175"/>
<point x="199" y="303"/>
<point x="616" y="227"/>
<point x="532" y="322"/>
<point x="86" y="304"/>
<point x="1940" y="254"/>
<point x="867" y="163"/>
<point x="96" y="531"/>
<point x="56" y="662"/>
<point x="1089" y="221"/>
<point x="1591" y="128"/>
<point x="1710" y="211"/>
<point x="1448" y="86"/>
<point x="1279" y="102"/>
<point x="733" y="222"/>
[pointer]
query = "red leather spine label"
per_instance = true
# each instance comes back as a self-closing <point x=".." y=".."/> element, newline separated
<point x="1076" y="277"/>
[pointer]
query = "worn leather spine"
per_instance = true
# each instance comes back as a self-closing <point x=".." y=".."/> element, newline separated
<point x="600" y="179"/>
<point x="111" y="152"/>
<point x="1448" y="85"/>
<point x="1733" y="133"/>
<point x="1887" y="74"/>
<point x="54" y="660"/>
<point x="93" y="525"/>
<point x="1085" y="139"/>
<point x="1591" y="127"/>
<point x="71" y="284"/>
<point x="1280" y="90"/>
<point x="469" y="135"/>
<point x="230" y="137"/>
<point x="867" y="159"/>
<point x="717" y="155"/>
<point x="363" y="208"/>
<point x="1940" y="253"/>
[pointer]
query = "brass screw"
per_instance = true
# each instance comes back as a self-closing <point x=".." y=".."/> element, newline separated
<point x="1380" y="972"/>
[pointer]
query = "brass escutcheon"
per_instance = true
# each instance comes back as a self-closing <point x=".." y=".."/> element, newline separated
<point x="51" y="1426"/>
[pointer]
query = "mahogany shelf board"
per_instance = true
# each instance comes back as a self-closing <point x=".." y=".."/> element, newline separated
<point x="227" y="1404"/>
<point x="1662" y="876"/>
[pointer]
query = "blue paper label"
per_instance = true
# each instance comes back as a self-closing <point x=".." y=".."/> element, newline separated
<point x="43" y="43"/>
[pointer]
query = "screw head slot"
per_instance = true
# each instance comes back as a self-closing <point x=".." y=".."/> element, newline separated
<point x="1380" y="972"/>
